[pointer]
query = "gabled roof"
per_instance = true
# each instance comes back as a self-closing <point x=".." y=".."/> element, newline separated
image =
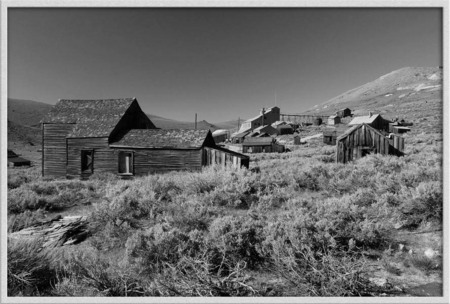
<point x="93" y="118"/>
<point x="11" y="153"/>
<point x="364" y="119"/>
<point x="352" y="129"/>
<point x="162" y="139"/>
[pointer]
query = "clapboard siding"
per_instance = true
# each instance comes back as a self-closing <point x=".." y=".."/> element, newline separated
<point x="104" y="159"/>
<point x="148" y="161"/>
<point x="364" y="139"/>
<point x="223" y="157"/>
<point x="54" y="153"/>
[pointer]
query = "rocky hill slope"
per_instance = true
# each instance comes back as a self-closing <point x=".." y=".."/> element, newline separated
<point x="411" y="93"/>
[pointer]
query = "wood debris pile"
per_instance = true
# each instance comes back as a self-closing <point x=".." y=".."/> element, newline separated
<point x="57" y="232"/>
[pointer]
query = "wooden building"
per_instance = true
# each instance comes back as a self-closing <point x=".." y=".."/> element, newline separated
<point x="80" y="137"/>
<point x="360" y="140"/>
<point x="373" y="120"/>
<point x="285" y="129"/>
<point x="333" y="120"/>
<point x="266" y="117"/>
<point x="15" y="160"/>
<point x="344" y="113"/>
<point x="238" y="138"/>
<point x="261" y="145"/>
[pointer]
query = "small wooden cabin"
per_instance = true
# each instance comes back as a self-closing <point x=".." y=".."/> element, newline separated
<point x="333" y="120"/>
<point x="285" y="129"/>
<point x="238" y="138"/>
<point x="360" y="140"/>
<point x="15" y="160"/>
<point x="329" y="136"/>
<point x="261" y="145"/>
<point x="81" y="137"/>
<point x="344" y="112"/>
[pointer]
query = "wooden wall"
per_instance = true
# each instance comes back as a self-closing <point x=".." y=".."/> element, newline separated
<point x="104" y="160"/>
<point x="54" y="152"/>
<point x="147" y="161"/>
<point x="299" y="118"/>
<point x="217" y="156"/>
<point x="361" y="141"/>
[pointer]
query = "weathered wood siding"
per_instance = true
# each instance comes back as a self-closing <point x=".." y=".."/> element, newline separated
<point x="104" y="159"/>
<point x="397" y="142"/>
<point x="54" y="150"/>
<point x="217" y="156"/>
<point x="148" y="161"/>
<point x="360" y="141"/>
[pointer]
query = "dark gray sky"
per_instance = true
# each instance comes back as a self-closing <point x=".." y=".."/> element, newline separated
<point x="220" y="63"/>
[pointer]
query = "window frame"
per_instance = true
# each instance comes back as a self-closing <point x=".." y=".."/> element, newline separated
<point x="84" y="167"/>
<point x="131" y="164"/>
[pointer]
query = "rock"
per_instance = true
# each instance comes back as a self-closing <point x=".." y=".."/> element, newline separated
<point x="429" y="253"/>
<point x="380" y="282"/>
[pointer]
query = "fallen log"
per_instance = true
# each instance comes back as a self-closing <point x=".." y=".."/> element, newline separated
<point x="56" y="232"/>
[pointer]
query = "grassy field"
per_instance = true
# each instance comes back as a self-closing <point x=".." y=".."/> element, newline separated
<point x="295" y="224"/>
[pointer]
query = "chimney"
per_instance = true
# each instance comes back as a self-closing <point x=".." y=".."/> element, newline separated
<point x="370" y="114"/>
<point x="262" y="116"/>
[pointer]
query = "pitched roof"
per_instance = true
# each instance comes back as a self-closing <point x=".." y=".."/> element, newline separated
<point x="260" y="115"/>
<point x="355" y="127"/>
<point x="364" y="119"/>
<point x="239" y="135"/>
<point x="11" y="153"/>
<point x="159" y="138"/>
<point x="265" y="128"/>
<point x="93" y="118"/>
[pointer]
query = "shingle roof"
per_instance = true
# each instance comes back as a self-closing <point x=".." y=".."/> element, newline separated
<point x="159" y="138"/>
<point x="364" y="119"/>
<point x="93" y="118"/>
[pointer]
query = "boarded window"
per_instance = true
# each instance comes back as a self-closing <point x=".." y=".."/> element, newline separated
<point x="125" y="162"/>
<point x="87" y="161"/>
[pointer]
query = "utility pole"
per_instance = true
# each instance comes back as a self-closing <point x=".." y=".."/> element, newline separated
<point x="195" y="121"/>
<point x="239" y="123"/>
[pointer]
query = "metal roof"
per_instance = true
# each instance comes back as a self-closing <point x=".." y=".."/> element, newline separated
<point x="364" y="119"/>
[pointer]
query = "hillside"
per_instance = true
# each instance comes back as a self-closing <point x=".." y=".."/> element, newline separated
<point x="400" y="93"/>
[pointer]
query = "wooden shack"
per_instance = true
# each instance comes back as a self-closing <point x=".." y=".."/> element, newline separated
<point x="261" y="145"/>
<point x="344" y="113"/>
<point x="81" y="137"/>
<point x="361" y="140"/>
<point x="333" y="120"/>
<point x="285" y="129"/>
<point x="330" y="136"/>
<point x="15" y="160"/>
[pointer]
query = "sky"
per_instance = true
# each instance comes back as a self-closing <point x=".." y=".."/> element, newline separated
<point x="221" y="63"/>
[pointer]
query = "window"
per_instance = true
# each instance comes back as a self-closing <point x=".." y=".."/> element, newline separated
<point x="87" y="161"/>
<point x="125" y="162"/>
